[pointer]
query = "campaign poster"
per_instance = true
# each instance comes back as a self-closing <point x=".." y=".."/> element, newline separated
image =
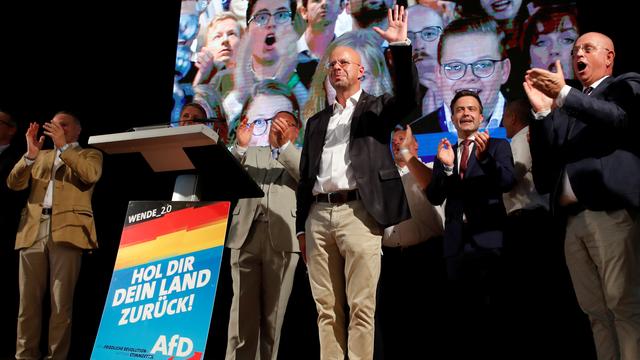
<point x="164" y="281"/>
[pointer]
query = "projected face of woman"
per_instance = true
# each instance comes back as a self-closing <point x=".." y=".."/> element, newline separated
<point x="261" y="112"/>
<point x="270" y="20"/>
<point x="501" y="9"/>
<point x="549" y="46"/>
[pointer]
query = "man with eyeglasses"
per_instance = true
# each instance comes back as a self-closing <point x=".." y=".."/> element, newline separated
<point x="350" y="190"/>
<point x="425" y="27"/>
<point x="584" y="146"/>
<point x="471" y="57"/>
<point x="268" y="52"/>
<point x="264" y="250"/>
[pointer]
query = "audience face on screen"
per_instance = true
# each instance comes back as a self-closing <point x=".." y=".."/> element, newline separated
<point x="261" y="111"/>
<point x="425" y="26"/>
<point x="501" y="9"/>
<point x="190" y="113"/>
<point x="553" y="41"/>
<point x="270" y="20"/>
<point x="222" y="39"/>
<point x="369" y="12"/>
<point x="320" y="14"/>
<point x="482" y="50"/>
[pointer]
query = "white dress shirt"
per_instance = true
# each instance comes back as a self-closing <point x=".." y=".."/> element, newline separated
<point x="425" y="222"/>
<point x="524" y="194"/>
<point x="336" y="172"/>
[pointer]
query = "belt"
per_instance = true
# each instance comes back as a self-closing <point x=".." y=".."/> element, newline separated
<point x="573" y="209"/>
<point x="338" y="197"/>
<point x="46" y="211"/>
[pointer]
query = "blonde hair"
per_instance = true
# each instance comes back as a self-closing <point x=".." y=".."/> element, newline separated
<point x="365" y="43"/>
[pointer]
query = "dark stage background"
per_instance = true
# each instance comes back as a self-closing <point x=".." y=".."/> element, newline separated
<point x="112" y="64"/>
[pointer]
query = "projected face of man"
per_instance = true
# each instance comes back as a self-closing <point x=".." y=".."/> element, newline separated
<point x="367" y="12"/>
<point x="265" y="36"/>
<point x="501" y="9"/>
<point x="261" y="111"/>
<point x="469" y="48"/>
<point x="222" y="39"/>
<point x="189" y="114"/>
<point x="319" y="14"/>
<point x="425" y="51"/>
<point x="549" y="46"/>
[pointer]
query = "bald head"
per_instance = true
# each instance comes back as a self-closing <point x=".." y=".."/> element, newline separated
<point x="345" y="71"/>
<point x="593" y="55"/>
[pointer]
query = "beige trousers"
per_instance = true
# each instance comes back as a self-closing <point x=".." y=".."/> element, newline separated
<point x="343" y="258"/>
<point x="262" y="282"/>
<point x="602" y="250"/>
<point x="60" y="264"/>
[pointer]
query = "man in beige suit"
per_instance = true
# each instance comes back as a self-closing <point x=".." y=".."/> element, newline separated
<point x="264" y="249"/>
<point x="56" y="225"/>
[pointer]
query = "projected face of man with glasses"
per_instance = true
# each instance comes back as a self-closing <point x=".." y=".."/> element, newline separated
<point x="473" y="61"/>
<point x="261" y="112"/>
<point x="269" y="21"/>
<point x="424" y="29"/>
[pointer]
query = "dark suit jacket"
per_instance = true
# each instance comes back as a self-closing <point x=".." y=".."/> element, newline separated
<point x="478" y="196"/>
<point x="12" y="201"/>
<point x="595" y="139"/>
<point x="374" y="118"/>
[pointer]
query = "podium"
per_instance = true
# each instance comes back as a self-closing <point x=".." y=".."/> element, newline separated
<point x="165" y="277"/>
<point x="204" y="167"/>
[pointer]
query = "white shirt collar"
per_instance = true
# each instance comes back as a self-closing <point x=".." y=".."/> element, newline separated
<point x="353" y="99"/>
<point x="302" y="45"/>
<point x="595" y="84"/>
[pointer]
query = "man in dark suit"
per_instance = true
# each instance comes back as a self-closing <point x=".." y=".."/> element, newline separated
<point x="585" y="152"/>
<point x="350" y="190"/>
<point x="472" y="177"/>
<point x="12" y="202"/>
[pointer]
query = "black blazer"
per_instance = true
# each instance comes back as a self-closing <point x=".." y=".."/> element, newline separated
<point x="595" y="139"/>
<point x="373" y="120"/>
<point x="478" y="195"/>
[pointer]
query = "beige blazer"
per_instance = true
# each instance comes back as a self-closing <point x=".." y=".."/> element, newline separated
<point x="279" y="181"/>
<point x="72" y="215"/>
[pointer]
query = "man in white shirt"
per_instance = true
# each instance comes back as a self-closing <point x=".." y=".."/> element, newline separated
<point x="349" y="191"/>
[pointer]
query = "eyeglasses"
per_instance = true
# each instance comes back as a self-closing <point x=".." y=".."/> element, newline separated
<point x="343" y="64"/>
<point x="261" y="125"/>
<point x="481" y="68"/>
<point x="279" y="17"/>
<point x="587" y="48"/>
<point x="429" y="33"/>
